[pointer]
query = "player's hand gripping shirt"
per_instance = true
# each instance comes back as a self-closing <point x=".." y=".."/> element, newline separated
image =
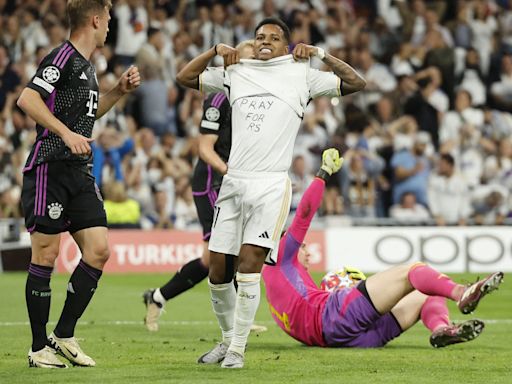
<point x="67" y="83"/>
<point x="268" y="99"/>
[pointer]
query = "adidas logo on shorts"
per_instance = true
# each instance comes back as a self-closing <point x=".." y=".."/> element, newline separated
<point x="264" y="235"/>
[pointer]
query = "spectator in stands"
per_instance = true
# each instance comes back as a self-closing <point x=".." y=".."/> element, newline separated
<point x="472" y="78"/>
<point x="139" y="190"/>
<point x="379" y="79"/>
<point x="409" y="211"/>
<point x="468" y="155"/>
<point x="9" y="79"/>
<point x="483" y="26"/>
<point x="359" y="181"/>
<point x="152" y="100"/>
<point x="108" y="151"/>
<point x="156" y="53"/>
<point x="497" y="124"/>
<point x="160" y="217"/>
<point x="132" y="26"/>
<point x="145" y="147"/>
<point x="185" y="213"/>
<point x="300" y="178"/>
<point x="217" y="29"/>
<point x="32" y="33"/>
<point x="460" y="29"/>
<point x="427" y="103"/>
<point x="159" y="178"/>
<point x="463" y="116"/>
<point x="411" y="168"/>
<point x="448" y="194"/>
<point x="501" y="91"/>
<point x="489" y="204"/>
<point x="122" y="211"/>
<point x="499" y="165"/>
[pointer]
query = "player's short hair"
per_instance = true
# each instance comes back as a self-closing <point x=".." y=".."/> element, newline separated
<point x="79" y="10"/>
<point x="275" y="21"/>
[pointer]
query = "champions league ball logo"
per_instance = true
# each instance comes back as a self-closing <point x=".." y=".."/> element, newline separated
<point x="51" y="74"/>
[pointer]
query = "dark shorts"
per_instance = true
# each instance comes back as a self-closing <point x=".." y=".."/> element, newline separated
<point x="350" y="320"/>
<point x="205" y="189"/>
<point x="59" y="197"/>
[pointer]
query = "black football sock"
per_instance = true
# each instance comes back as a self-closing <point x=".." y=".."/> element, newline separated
<point x="38" y="296"/>
<point x="189" y="275"/>
<point x="81" y="288"/>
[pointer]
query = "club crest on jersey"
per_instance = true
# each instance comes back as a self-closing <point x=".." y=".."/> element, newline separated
<point x="212" y="114"/>
<point x="55" y="210"/>
<point x="51" y="74"/>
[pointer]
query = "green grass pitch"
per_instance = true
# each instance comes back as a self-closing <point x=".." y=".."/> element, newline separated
<point x="111" y="331"/>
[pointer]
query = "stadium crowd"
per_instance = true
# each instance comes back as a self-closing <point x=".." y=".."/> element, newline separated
<point x="429" y="138"/>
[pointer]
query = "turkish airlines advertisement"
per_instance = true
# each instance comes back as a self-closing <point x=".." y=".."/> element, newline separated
<point x="160" y="251"/>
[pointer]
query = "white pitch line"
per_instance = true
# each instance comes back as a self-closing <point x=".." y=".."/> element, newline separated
<point x="192" y="322"/>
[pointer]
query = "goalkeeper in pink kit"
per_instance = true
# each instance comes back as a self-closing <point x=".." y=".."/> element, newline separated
<point x="375" y="310"/>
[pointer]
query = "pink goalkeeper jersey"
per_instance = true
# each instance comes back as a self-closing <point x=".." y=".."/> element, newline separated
<point x="296" y="303"/>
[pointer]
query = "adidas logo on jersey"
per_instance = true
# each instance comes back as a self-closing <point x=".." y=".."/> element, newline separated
<point x="83" y="76"/>
<point x="264" y="235"/>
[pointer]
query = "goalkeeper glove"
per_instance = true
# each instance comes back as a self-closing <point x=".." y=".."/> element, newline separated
<point x="331" y="163"/>
<point x="355" y="273"/>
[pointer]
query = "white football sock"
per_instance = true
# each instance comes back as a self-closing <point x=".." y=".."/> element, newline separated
<point x="158" y="297"/>
<point x="223" y="303"/>
<point x="247" y="302"/>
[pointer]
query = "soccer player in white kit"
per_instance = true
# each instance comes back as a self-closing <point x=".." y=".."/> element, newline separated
<point x="268" y="97"/>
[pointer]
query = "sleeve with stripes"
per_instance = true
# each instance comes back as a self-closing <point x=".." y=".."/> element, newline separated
<point x="50" y="74"/>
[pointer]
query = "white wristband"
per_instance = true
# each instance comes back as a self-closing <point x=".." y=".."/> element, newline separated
<point x="320" y="53"/>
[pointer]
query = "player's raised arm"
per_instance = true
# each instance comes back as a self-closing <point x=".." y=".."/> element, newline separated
<point x="189" y="75"/>
<point x="312" y="198"/>
<point x="31" y="102"/>
<point x="352" y="81"/>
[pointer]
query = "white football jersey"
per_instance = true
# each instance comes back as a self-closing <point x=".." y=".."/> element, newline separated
<point x="265" y="114"/>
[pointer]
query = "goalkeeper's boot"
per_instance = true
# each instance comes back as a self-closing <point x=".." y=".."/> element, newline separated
<point x="45" y="358"/>
<point x="215" y="355"/>
<point x="475" y="292"/>
<point x="69" y="348"/>
<point x="456" y="333"/>
<point x="153" y="311"/>
<point x="233" y="360"/>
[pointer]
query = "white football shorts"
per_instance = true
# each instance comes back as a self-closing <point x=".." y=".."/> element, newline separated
<point x="252" y="208"/>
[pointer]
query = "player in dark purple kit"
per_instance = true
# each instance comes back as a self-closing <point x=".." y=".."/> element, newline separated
<point x="59" y="192"/>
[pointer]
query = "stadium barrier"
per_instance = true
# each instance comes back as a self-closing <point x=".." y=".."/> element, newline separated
<point x="160" y="251"/>
<point x="370" y="248"/>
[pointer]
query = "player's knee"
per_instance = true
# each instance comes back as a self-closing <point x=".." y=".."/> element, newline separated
<point x="252" y="259"/>
<point x="217" y="276"/>
<point x="251" y="265"/>
<point x="45" y="254"/>
<point x="102" y="253"/>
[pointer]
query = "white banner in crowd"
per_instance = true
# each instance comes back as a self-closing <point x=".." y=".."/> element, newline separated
<point x="448" y="249"/>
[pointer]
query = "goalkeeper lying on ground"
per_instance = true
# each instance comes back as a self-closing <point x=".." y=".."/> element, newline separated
<point x="375" y="310"/>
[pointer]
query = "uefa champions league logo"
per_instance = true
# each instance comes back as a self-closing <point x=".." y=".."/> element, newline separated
<point x="51" y="74"/>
